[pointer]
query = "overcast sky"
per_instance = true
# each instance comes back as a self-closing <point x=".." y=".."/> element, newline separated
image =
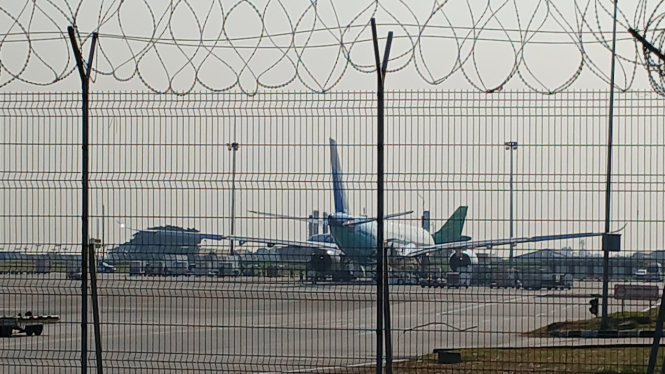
<point x="303" y="45"/>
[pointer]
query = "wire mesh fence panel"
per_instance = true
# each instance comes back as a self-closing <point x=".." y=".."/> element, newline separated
<point x="238" y="234"/>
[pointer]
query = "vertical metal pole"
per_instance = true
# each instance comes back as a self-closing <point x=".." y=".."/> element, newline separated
<point x="604" y="324"/>
<point x="656" y="337"/>
<point x="95" y="309"/>
<point x="511" y="146"/>
<point x="382" y="263"/>
<point x="84" y="232"/>
<point x="379" y="208"/>
<point x="85" y="79"/>
<point x="661" y="311"/>
<point x="103" y="225"/>
<point x="386" y="284"/>
<point x="512" y="245"/>
<point x="233" y="147"/>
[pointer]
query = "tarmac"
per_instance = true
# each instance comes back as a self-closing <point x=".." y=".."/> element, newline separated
<point x="258" y="324"/>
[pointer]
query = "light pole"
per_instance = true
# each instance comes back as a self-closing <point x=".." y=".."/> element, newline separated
<point x="421" y="198"/>
<point x="511" y="146"/>
<point x="233" y="147"/>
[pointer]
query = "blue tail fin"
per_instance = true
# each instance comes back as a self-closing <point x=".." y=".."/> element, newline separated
<point x="341" y="204"/>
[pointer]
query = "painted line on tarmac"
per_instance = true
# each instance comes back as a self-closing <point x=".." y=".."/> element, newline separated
<point x="331" y="368"/>
<point x="482" y="305"/>
<point x="556" y="310"/>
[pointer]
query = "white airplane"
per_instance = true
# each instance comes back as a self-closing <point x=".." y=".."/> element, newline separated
<point x="355" y="236"/>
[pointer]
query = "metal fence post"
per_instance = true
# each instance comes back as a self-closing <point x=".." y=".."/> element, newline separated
<point x="382" y="263"/>
<point x="604" y="325"/>
<point x="84" y="73"/>
<point x="95" y="304"/>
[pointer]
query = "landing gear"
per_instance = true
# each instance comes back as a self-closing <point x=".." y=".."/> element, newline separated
<point x="34" y="330"/>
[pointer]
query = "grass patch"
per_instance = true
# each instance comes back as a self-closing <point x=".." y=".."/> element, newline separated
<point x="621" y="359"/>
<point x="618" y="321"/>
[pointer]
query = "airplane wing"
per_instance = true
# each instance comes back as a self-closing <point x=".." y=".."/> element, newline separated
<point x="243" y="239"/>
<point x="497" y="242"/>
<point x="389" y="216"/>
<point x="175" y="233"/>
<point x="183" y="234"/>
<point x="273" y="242"/>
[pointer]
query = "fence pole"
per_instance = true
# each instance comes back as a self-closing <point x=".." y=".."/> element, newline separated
<point x="84" y="73"/>
<point x="661" y="311"/>
<point x="386" y="284"/>
<point x="656" y="337"/>
<point x="604" y="324"/>
<point x="379" y="209"/>
<point x="95" y="305"/>
<point x="382" y="263"/>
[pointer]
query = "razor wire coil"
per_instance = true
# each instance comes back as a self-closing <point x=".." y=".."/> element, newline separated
<point x="273" y="55"/>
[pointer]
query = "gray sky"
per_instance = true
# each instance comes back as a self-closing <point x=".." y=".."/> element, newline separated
<point x="302" y="45"/>
<point x="165" y="161"/>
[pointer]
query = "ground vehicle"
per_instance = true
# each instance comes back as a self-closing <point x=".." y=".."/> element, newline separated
<point x="652" y="273"/>
<point x="103" y="267"/>
<point x="551" y="281"/>
<point x="432" y="282"/>
<point x="137" y="268"/>
<point x="74" y="274"/>
<point x="557" y="281"/>
<point x="458" y="279"/>
<point x="29" y="324"/>
<point x="640" y="274"/>
<point x="155" y="268"/>
<point x="506" y="278"/>
<point x="226" y="270"/>
<point x="401" y="278"/>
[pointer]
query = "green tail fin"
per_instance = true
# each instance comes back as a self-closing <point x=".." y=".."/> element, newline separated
<point x="451" y="231"/>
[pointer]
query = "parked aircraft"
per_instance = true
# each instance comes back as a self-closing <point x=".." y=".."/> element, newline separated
<point x="355" y="236"/>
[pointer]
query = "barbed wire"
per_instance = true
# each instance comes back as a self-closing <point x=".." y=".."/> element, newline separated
<point x="248" y="45"/>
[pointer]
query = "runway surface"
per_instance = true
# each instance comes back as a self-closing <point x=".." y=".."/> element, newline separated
<point x="271" y="324"/>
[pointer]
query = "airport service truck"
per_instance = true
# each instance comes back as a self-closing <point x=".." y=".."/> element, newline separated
<point x="29" y="324"/>
<point x="550" y="281"/>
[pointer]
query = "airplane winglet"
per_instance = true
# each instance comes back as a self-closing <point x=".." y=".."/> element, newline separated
<point x="619" y="230"/>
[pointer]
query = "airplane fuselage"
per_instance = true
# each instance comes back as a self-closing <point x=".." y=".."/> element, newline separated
<point x="358" y="241"/>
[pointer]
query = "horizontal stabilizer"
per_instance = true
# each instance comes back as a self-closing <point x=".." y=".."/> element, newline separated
<point x="303" y="219"/>
<point x="359" y="221"/>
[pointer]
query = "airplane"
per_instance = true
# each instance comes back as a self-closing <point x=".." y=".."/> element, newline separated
<point x="355" y="236"/>
<point x="336" y="265"/>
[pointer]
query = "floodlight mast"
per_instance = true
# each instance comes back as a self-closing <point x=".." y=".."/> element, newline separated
<point x="511" y="146"/>
<point x="604" y="323"/>
<point x="233" y="147"/>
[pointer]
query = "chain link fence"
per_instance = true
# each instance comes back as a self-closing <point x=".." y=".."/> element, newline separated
<point x="172" y="177"/>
